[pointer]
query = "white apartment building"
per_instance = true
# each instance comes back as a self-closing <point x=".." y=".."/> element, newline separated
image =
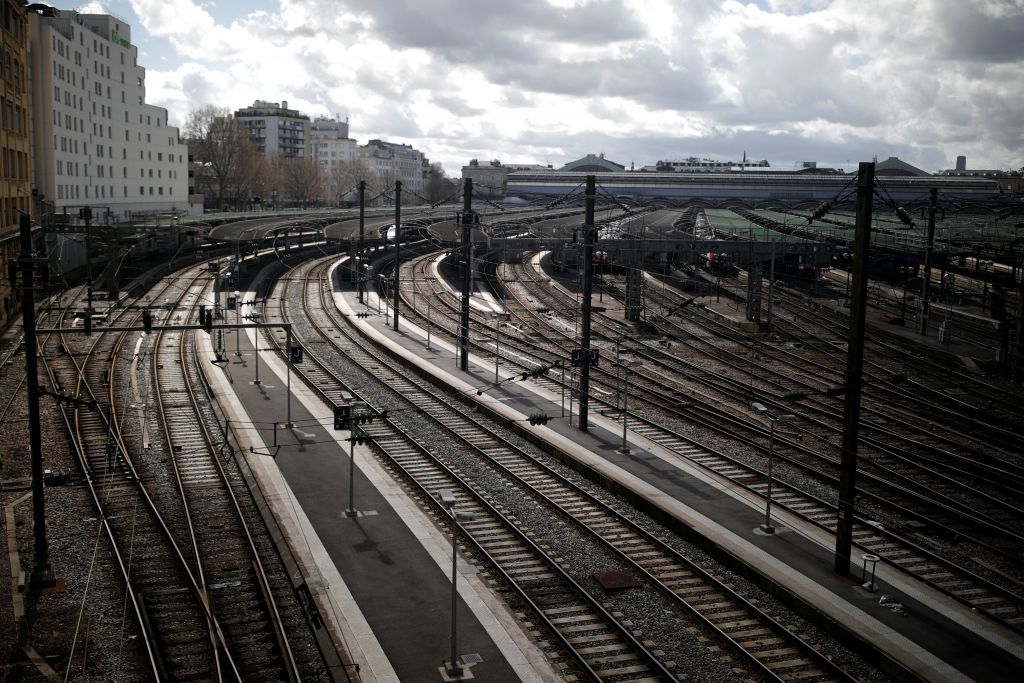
<point x="390" y="161"/>
<point x="277" y="130"/>
<point x="95" y="141"/>
<point x="332" y="147"/>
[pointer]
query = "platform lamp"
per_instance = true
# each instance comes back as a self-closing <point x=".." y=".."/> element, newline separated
<point x="788" y="417"/>
<point x="430" y="281"/>
<point x="627" y="364"/>
<point x="455" y="670"/>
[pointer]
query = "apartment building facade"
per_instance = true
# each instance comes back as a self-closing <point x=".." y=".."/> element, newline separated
<point x="277" y="130"/>
<point x="391" y="161"/>
<point x="95" y="140"/>
<point x="15" y="146"/>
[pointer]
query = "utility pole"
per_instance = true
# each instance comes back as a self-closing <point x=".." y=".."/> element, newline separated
<point x="359" y="246"/>
<point x="42" y="575"/>
<point x="588" y="290"/>
<point x="398" y="245"/>
<point x="85" y="213"/>
<point x="933" y="201"/>
<point x="467" y="275"/>
<point x="854" y="368"/>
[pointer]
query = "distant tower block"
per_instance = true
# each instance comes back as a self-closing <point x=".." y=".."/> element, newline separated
<point x="634" y="293"/>
<point x="961" y="163"/>
<point x="754" y="292"/>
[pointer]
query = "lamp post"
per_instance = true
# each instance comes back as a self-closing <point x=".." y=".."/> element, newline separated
<point x="763" y="410"/>
<point x="238" y="321"/>
<point x="256" y="355"/>
<point x="627" y="364"/>
<point x="454" y="669"/>
<point x="430" y="281"/>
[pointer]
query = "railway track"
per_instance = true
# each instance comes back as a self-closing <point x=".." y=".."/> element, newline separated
<point x="191" y="628"/>
<point x="764" y="645"/>
<point x="926" y="564"/>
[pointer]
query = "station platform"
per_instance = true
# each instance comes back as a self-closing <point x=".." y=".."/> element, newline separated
<point x="382" y="580"/>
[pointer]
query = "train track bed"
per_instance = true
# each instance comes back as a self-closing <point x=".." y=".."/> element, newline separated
<point x="649" y="613"/>
<point x="819" y="507"/>
<point x="108" y="642"/>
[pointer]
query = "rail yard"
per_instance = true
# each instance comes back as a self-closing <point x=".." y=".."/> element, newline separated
<point x="270" y="458"/>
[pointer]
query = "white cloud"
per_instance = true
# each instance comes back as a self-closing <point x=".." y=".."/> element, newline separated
<point x="539" y="80"/>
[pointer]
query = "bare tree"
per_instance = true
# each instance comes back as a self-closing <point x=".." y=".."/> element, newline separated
<point x="220" y="145"/>
<point x="338" y="179"/>
<point x="299" y="179"/>
<point x="439" y="186"/>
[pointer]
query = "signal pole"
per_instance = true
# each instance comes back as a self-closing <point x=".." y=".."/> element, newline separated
<point x="933" y="200"/>
<point x="42" y="575"/>
<point x="854" y="368"/>
<point x="359" y="247"/>
<point x="398" y="245"/>
<point x="588" y="290"/>
<point x="467" y="275"/>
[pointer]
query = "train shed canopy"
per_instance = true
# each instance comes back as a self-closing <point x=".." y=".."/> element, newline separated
<point x="593" y="164"/>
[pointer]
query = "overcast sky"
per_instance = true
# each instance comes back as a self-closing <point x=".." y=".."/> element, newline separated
<point x="547" y="81"/>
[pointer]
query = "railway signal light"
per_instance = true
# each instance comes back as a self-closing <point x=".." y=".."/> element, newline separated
<point x="295" y="354"/>
<point x="232" y="302"/>
<point x="539" y="418"/>
<point x="88" y="323"/>
<point x="360" y="438"/>
<point x="147" y="321"/>
<point x="342" y="417"/>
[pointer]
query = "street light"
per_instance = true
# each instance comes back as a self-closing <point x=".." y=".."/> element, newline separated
<point x="453" y="669"/>
<point x="623" y="363"/>
<point x="430" y="297"/>
<point x="238" y="321"/>
<point x="788" y="417"/>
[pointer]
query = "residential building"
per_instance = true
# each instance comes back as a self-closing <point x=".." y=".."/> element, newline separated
<point x="391" y="161"/>
<point x="15" y="185"/>
<point x="489" y="179"/>
<point x="331" y="145"/>
<point x="277" y="130"/>
<point x="95" y="140"/>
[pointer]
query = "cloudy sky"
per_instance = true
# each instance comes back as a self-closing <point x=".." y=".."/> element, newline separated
<point x="547" y="81"/>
